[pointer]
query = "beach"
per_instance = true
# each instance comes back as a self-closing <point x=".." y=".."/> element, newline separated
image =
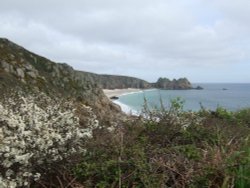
<point x="118" y="92"/>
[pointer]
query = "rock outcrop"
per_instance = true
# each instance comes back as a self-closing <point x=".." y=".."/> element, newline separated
<point x="180" y="84"/>
<point x="198" y="88"/>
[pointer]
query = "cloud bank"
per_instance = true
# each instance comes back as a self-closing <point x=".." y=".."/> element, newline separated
<point x="206" y="41"/>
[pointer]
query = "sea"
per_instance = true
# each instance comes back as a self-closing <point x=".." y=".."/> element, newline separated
<point x="232" y="97"/>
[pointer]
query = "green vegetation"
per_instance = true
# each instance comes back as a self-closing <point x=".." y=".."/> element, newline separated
<point x="161" y="148"/>
<point x="172" y="148"/>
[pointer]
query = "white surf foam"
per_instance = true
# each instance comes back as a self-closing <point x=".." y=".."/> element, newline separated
<point x="130" y="93"/>
<point x="135" y="92"/>
<point x="127" y="109"/>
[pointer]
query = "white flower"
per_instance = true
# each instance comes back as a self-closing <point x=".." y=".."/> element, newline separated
<point x="12" y="184"/>
<point x="23" y="159"/>
<point x="26" y="183"/>
<point x="6" y="163"/>
<point x="111" y="129"/>
<point x="9" y="172"/>
<point x="37" y="176"/>
<point x="38" y="135"/>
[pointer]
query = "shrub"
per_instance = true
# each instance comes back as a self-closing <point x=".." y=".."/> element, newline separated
<point x="243" y="116"/>
<point x="169" y="148"/>
<point x="36" y="133"/>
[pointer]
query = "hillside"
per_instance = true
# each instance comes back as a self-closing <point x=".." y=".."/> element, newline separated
<point x="20" y="67"/>
<point x="22" y="70"/>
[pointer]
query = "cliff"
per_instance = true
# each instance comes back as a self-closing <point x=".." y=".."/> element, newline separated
<point x="115" y="81"/>
<point x="180" y="84"/>
<point x="22" y="70"/>
<point x="122" y="82"/>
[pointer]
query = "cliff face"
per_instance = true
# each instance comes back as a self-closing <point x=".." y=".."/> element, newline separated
<point x="116" y="82"/>
<point x="121" y="82"/>
<point x="22" y="70"/>
<point x="180" y="84"/>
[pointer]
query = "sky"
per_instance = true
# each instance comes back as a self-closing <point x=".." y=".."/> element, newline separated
<point x="202" y="40"/>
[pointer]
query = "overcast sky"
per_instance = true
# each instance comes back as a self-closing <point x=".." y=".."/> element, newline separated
<point x="203" y="40"/>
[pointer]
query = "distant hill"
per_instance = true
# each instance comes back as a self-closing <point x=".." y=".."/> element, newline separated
<point x="121" y="82"/>
<point x="116" y="82"/>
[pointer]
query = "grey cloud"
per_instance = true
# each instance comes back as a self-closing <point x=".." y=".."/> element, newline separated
<point x="170" y="38"/>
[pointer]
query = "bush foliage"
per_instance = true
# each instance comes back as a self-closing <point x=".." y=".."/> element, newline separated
<point x="171" y="148"/>
<point x="37" y="137"/>
<point x="161" y="148"/>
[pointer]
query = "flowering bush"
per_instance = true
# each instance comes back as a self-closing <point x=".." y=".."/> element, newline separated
<point x="37" y="131"/>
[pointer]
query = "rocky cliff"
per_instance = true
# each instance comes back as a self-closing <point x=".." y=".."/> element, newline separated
<point x="116" y="81"/>
<point x="22" y="70"/>
<point x="121" y="82"/>
<point x="180" y="84"/>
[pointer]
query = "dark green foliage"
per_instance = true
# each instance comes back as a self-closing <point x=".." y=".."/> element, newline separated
<point x="243" y="117"/>
<point x="164" y="151"/>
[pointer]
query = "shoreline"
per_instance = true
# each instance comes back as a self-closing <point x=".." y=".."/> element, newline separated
<point x="118" y="92"/>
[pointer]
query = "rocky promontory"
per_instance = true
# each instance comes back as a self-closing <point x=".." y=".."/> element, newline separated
<point x="22" y="70"/>
<point x="180" y="84"/>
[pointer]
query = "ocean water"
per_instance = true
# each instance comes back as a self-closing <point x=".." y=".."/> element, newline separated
<point x="230" y="96"/>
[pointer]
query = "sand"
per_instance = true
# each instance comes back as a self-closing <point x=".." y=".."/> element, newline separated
<point x="118" y="92"/>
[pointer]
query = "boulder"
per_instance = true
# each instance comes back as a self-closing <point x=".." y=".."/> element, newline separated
<point x="20" y="73"/>
<point x="114" y="97"/>
<point x="199" y="88"/>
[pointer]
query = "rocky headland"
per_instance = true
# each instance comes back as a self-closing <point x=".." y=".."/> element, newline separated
<point x="22" y="70"/>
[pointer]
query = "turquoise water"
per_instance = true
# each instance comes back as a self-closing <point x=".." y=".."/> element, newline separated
<point x="229" y="96"/>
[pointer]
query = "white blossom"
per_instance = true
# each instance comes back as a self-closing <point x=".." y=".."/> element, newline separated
<point x="32" y="133"/>
<point x="37" y="176"/>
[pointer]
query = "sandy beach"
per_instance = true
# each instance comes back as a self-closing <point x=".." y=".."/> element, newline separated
<point x="117" y="92"/>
